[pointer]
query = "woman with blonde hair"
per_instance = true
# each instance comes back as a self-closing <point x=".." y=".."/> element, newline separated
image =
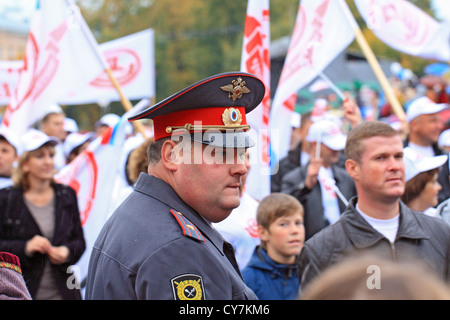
<point x="40" y="223"/>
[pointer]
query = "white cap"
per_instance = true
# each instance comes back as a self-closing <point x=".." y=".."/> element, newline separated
<point x="328" y="133"/>
<point x="54" y="108"/>
<point x="12" y="138"/>
<point x="109" y="119"/>
<point x="70" y="125"/>
<point x="34" y="139"/>
<point x="444" y="138"/>
<point x="423" y="105"/>
<point x="296" y="119"/>
<point x="75" y="140"/>
<point x="416" y="163"/>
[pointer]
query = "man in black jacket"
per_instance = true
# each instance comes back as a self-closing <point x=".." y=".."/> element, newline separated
<point x="322" y="186"/>
<point x="296" y="157"/>
<point x="377" y="219"/>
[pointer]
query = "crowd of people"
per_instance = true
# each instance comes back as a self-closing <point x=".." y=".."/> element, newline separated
<point x="40" y="225"/>
<point x="357" y="189"/>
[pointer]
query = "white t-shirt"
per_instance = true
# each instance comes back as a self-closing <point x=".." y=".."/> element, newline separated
<point x="387" y="227"/>
<point x="241" y="230"/>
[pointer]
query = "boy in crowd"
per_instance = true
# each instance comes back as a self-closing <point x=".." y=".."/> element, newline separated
<point x="272" y="272"/>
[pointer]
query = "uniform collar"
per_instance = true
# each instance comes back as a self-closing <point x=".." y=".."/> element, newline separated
<point x="160" y="190"/>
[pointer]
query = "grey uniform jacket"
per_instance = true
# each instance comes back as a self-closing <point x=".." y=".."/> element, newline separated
<point x="155" y="246"/>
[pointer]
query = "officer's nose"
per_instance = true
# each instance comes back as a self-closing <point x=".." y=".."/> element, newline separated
<point x="239" y="166"/>
<point x="238" y="169"/>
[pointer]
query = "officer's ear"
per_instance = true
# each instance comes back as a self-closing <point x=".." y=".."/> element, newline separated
<point x="169" y="155"/>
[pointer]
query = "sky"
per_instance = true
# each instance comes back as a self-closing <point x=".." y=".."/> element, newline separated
<point x="18" y="9"/>
<point x="443" y="11"/>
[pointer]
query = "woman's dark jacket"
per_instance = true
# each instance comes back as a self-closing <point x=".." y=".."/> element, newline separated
<point x="17" y="226"/>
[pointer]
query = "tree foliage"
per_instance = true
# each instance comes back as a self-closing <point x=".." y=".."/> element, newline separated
<point x="193" y="38"/>
<point x="198" y="38"/>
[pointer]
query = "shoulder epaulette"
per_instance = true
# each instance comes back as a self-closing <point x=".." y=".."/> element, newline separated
<point x="189" y="229"/>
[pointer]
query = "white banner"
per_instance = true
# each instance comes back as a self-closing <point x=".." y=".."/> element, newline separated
<point x="132" y="62"/>
<point x="321" y="32"/>
<point x="9" y="75"/>
<point x="406" y="28"/>
<point x="131" y="59"/>
<point x="60" y="56"/>
<point x="255" y="59"/>
<point x="94" y="176"/>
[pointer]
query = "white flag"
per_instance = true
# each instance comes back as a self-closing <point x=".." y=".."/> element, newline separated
<point x="92" y="174"/>
<point x="9" y="75"/>
<point x="406" y="28"/>
<point x="321" y="32"/>
<point x="255" y="59"/>
<point x="60" y="55"/>
<point x="131" y="59"/>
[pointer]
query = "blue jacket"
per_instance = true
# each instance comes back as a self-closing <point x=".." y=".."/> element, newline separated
<point x="270" y="280"/>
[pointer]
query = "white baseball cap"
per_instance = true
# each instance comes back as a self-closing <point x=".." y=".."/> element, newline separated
<point x="423" y="105"/>
<point x="70" y="125"/>
<point x="328" y="133"/>
<point x="444" y="138"/>
<point x="12" y="138"/>
<point x="75" y="140"/>
<point x="416" y="163"/>
<point x="109" y="119"/>
<point x="34" y="139"/>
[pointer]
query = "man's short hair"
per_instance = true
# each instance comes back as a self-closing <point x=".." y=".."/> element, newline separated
<point x="354" y="149"/>
<point x="154" y="150"/>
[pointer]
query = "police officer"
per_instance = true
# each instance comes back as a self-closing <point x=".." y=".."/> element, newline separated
<point x="159" y="243"/>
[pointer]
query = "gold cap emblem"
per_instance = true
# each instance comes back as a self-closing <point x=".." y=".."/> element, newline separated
<point x="231" y="117"/>
<point x="236" y="89"/>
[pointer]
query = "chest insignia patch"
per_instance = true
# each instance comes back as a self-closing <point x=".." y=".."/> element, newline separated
<point x="188" y="287"/>
<point x="189" y="229"/>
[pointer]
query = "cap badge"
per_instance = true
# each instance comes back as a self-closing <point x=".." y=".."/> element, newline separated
<point x="231" y="117"/>
<point x="236" y="89"/>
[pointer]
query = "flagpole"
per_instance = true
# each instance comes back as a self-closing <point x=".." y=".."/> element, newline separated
<point x="85" y="28"/>
<point x="332" y="85"/>
<point x="373" y="62"/>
